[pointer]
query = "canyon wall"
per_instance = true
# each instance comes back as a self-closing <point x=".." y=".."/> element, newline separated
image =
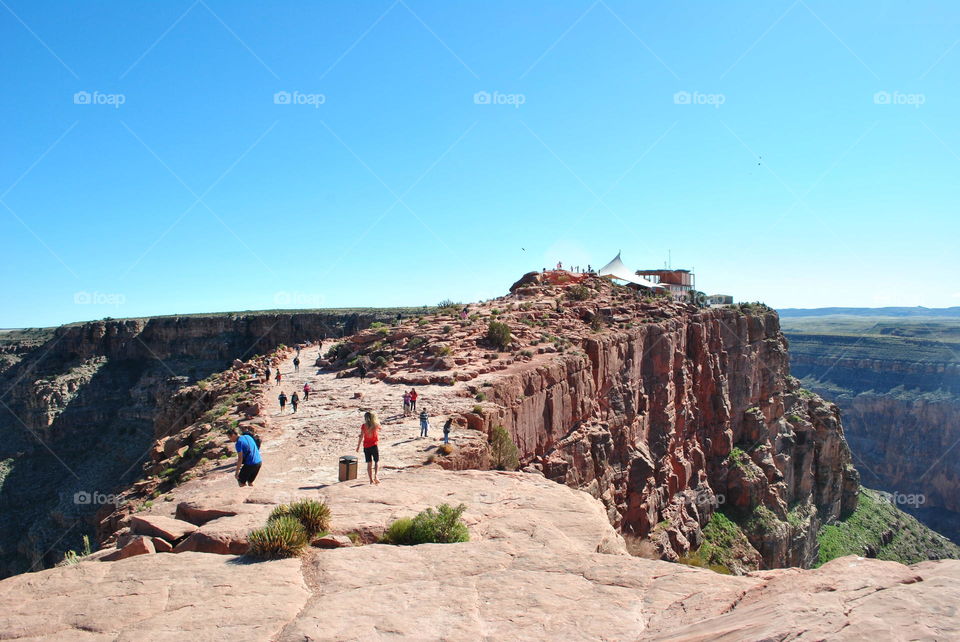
<point x="81" y="411"/>
<point x="901" y="413"/>
<point x="674" y="418"/>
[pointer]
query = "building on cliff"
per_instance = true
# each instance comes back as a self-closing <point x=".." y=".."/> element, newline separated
<point x="680" y="283"/>
<point x="617" y="270"/>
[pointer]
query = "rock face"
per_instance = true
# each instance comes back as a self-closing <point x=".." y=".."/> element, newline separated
<point x="672" y="412"/>
<point x="900" y="398"/>
<point x="543" y="563"/>
<point x="96" y="394"/>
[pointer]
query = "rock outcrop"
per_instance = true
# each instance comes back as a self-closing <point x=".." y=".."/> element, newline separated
<point x="543" y="563"/>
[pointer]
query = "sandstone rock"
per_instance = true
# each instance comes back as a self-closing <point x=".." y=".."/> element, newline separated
<point x="198" y="514"/>
<point x="161" y="545"/>
<point x="159" y="526"/>
<point x="216" y="542"/>
<point x="139" y="545"/>
<point x="332" y="541"/>
<point x="154" y="597"/>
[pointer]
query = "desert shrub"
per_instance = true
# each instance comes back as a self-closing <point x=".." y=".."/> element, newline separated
<point x="445" y="351"/>
<point x="477" y="409"/>
<point x="338" y="351"/>
<point x="498" y="334"/>
<point x="422" y="322"/>
<point x="503" y="452"/>
<point x="446" y="329"/>
<point x="481" y="396"/>
<point x="440" y="526"/>
<point x="376" y="325"/>
<point x="380" y="361"/>
<point x="447" y="305"/>
<point x="73" y="557"/>
<point x="416" y="342"/>
<point x="399" y="532"/>
<point x="445" y="449"/>
<point x="314" y="515"/>
<point x="282" y="537"/>
<point x="579" y="293"/>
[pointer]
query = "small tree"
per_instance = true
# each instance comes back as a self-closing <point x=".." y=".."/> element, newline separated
<point x="503" y="452"/>
<point x="498" y="334"/>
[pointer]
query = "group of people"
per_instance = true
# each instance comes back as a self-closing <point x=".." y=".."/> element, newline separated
<point x="409" y="402"/>
<point x="425" y="426"/>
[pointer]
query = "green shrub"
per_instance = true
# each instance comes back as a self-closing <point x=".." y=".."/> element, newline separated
<point x="338" y="351"/>
<point x="440" y="526"/>
<point x="446" y="329"/>
<point x="481" y="396"/>
<point x="579" y="293"/>
<point x="448" y="305"/>
<point x="498" y="334"/>
<point x="415" y="342"/>
<point x="503" y="452"/>
<point x="477" y="409"/>
<point x="282" y="537"/>
<point x="314" y="515"/>
<point x="399" y="532"/>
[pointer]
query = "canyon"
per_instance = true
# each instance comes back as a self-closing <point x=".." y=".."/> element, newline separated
<point x="643" y="428"/>
<point x="897" y="382"/>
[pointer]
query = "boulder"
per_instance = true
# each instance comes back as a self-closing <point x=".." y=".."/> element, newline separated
<point x="137" y="546"/>
<point x="332" y="541"/>
<point x="198" y="514"/>
<point x="161" y="545"/>
<point x="160" y="526"/>
<point x="216" y="542"/>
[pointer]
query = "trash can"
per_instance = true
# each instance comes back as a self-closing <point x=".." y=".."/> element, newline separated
<point x="348" y="468"/>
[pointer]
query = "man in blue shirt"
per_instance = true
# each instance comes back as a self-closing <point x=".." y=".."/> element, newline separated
<point x="248" y="457"/>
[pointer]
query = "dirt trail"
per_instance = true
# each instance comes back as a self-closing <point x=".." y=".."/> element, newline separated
<point x="307" y="444"/>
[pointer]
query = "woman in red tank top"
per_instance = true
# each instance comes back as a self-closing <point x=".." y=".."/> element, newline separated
<point x="370" y="438"/>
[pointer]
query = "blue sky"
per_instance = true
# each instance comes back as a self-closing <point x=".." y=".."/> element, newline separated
<point x="800" y="153"/>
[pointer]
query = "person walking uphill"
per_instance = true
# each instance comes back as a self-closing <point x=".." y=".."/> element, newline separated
<point x="248" y="457"/>
<point x="296" y="363"/>
<point x="294" y="400"/>
<point x="370" y="438"/>
<point x="283" y="401"/>
<point x="279" y="376"/>
<point x="306" y="392"/>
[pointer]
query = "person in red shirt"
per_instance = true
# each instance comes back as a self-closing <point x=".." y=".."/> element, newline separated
<point x="413" y="400"/>
<point x="370" y="438"/>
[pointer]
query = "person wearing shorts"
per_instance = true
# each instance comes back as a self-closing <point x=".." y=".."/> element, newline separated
<point x="248" y="458"/>
<point x="370" y="439"/>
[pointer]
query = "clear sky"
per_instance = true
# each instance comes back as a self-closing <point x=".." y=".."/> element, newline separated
<point x="191" y="156"/>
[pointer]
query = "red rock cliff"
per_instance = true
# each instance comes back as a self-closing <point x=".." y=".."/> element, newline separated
<point x="668" y="412"/>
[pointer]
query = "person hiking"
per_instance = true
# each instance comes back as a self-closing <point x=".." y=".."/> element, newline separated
<point x="279" y="376"/>
<point x="267" y="375"/>
<point x="446" y="431"/>
<point x="248" y="457"/>
<point x="406" y="404"/>
<point x="306" y="392"/>
<point x="424" y="422"/>
<point x="362" y="371"/>
<point x="296" y="364"/>
<point x="413" y="400"/>
<point x="283" y="401"/>
<point x="294" y="400"/>
<point x="370" y="438"/>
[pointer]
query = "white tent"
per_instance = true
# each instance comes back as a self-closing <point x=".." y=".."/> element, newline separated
<point x="618" y="270"/>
